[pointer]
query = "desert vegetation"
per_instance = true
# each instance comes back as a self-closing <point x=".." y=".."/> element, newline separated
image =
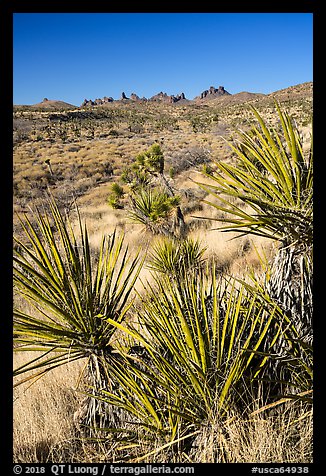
<point x="163" y="283"/>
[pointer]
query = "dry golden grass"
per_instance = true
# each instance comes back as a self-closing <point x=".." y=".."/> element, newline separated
<point x="43" y="414"/>
<point x="282" y="437"/>
<point x="44" y="430"/>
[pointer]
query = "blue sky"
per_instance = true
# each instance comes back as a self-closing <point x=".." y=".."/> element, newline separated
<point x="73" y="56"/>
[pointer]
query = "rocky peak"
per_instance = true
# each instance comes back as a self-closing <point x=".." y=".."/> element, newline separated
<point x="213" y="92"/>
<point x="134" y="97"/>
<point x="159" y="97"/>
<point x="96" y="102"/>
<point x="163" y="97"/>
<point x="210" y="93"/>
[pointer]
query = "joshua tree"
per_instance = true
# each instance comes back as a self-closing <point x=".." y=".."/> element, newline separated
<point x="154" y="207"/>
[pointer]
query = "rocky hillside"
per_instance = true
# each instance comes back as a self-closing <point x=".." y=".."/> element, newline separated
<point x="159" y="97"/>
<point x="217" y="96"/>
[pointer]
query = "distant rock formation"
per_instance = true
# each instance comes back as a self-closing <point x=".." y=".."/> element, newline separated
<point x="107" y="99"/>
<point x="96" y="102"/>
<point x="159" y="97"/>
<point x="212" y="93"/>
<point x="134" y="97"/>
<point x="163" y="97"/>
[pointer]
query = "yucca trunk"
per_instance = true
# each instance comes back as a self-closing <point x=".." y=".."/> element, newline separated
<point x="273" y="177"/>
<point x="92" y="413"/>
<point x="290" y="285"/>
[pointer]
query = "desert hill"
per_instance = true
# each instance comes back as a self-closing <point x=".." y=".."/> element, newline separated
<point x="237" y="98"/>
<point x="48" y="104"/>
<point x="302" y="90"/>
<point x="161" y="114"/>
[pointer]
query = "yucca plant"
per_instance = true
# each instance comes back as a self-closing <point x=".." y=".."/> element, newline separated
<point x="152" y="160"/>
<point x="269" y="192"/>
<point x="135" y="178"/>
<point x="114" y="198"/>
<point x="152" y="200"/>
<point x="70" y="291"/>
<point x="274" y="177"/>
<point x="153" y="208"/>
<point x="196" y="343"/>
<point x="174" y="257"/>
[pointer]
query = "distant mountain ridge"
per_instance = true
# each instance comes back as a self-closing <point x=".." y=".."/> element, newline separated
<point x="208" y="94"/>
<point x="219" y="94"/>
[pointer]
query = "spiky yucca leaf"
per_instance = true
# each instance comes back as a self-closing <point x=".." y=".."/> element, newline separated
<point x="69" y="290"/>
<point x="274" y="177"/>
<point x="152" y="208"/>
<point x="174" y="257"/>
<point x="195" y="343"/>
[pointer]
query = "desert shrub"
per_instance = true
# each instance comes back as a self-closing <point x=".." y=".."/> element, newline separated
<point x="113" y="133"/>
<point x="188" y="158"/>
<point x="171" y="172"/>
<point x="200" y="123"/>
<point x="114" y="198"/>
